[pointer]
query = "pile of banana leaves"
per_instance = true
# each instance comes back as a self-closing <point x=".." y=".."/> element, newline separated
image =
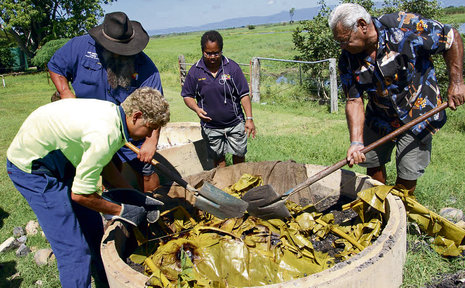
<point x="183" y="250"/>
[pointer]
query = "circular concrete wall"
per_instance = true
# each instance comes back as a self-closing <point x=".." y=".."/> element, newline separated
<point x="379" y="265"/>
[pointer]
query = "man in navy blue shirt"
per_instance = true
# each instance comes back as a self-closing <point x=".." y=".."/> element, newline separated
<point x="108" y="64"/>
<point x="216" y="89"/>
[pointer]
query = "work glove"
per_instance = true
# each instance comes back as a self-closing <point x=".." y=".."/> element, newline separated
<point x="134" y="215"/>
<point x="135" y="198"/>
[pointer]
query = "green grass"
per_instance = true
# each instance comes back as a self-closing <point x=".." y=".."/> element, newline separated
<point x="304" y="132"/>
<point x="453" y="15"/>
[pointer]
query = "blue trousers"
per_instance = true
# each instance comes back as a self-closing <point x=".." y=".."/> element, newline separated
<point x="74" y="231"/>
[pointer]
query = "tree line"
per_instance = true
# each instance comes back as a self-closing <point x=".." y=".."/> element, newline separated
<point x="29" y="24"/>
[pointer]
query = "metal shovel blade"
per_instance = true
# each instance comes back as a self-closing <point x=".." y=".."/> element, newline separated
<point x="210" y="199"/>
<point x="219" y="203"/>
<point x="264" y="202"/>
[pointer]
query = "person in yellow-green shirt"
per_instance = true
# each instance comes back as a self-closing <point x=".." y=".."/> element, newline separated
<point x="55" y="161"/>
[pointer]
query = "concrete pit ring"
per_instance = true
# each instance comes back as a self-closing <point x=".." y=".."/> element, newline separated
<point x="379" y="265"/>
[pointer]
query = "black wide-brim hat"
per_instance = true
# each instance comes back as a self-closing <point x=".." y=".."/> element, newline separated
<point x="119" y="35"/>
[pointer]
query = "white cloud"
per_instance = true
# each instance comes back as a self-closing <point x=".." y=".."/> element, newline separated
<point x="270" y="2"/>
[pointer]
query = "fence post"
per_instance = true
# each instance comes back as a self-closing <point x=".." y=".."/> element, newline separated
<point x="182" y="69"/>
<point x="47" y="73"/>
<point x="255" y="79"/>
<point x="333" y="83"/>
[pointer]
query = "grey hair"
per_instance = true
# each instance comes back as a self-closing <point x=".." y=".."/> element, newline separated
<point x="348" y="14"/>
<point x="149" y="101"/>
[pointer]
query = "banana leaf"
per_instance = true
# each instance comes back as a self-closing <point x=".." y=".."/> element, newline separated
<point x="249" y="251"/>
<point x="431" y="223"/>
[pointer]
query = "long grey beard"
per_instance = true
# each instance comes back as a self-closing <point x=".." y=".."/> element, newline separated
<point x="119" y="70"/>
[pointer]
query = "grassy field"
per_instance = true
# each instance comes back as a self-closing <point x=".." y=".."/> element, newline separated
<point x="304" y="132"/>
<point x="453" y="15"/>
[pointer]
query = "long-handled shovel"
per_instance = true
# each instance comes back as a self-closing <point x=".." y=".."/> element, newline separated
<point x="265" y="202"/>
<point x="209" y="198"/>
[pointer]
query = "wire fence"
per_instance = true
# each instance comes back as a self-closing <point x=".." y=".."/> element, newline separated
<point x="281" y="80"/>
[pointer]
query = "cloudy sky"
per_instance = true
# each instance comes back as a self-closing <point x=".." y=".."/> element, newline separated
<point x="159" y="14"/>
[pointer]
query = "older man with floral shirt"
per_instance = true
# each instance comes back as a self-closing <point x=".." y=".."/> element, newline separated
<point x="389" y="59"/>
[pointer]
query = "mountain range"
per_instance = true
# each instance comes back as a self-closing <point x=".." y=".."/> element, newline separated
<point x="299" y="14"/>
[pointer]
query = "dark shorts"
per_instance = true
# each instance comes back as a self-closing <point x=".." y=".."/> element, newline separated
<point x="412" y="155"/>
<point x="226" y="140"/>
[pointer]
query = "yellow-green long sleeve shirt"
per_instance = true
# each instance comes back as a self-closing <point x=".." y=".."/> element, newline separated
<point x="87" y="131"/>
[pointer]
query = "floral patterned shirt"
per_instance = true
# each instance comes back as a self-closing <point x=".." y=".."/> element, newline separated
<point x="400" y="83"/>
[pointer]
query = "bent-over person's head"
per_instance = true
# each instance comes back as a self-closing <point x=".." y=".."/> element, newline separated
<point x="348" y="14"/>
<point x="153" y="107"/>
<point x="353" y="29"/>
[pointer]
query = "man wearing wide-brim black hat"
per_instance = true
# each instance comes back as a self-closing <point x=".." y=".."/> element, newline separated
<point x="108" y="64"/>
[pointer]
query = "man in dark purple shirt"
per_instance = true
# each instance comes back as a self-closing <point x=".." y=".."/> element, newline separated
<point x="216" y="89"/>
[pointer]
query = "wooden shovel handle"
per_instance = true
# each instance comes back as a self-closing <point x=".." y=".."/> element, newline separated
<point x="325" y="172"/>
<point x="136" y="150"/>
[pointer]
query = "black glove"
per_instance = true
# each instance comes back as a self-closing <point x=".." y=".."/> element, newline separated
<point x="136" y="198"/>
<point x="134" y="215"/>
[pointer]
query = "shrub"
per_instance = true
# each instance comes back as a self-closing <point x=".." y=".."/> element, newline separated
<point x="45" y="53"/>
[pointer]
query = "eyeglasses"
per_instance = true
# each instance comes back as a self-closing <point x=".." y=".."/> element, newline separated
<point x="212" y="54"/>
<point x="346" y="42"/>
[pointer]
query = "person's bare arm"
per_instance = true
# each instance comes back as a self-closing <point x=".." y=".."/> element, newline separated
<point x="62" y="85"/>
<point x="454" y="61"/>
<point x="355" y="116"/>
<point x="97" y="203"/>
<point x="249" y="124"/>
<point x="192" y="104"/>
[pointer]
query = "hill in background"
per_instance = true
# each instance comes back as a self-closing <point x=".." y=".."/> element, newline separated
<point x="299" y="14"/>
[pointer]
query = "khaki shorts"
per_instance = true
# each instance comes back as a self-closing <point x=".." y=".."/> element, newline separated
<point x="412" y="155"/>
<point x="226" y="140"/>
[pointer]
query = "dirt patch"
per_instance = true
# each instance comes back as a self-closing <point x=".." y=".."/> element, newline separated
<point x="456" y="280"/>
<point x="137" y="267"/>
<point x="347" y="217"/>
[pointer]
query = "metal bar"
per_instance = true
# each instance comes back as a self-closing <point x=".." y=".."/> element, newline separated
<point x="190" y="64"/>
<point x="293" y="61"/>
